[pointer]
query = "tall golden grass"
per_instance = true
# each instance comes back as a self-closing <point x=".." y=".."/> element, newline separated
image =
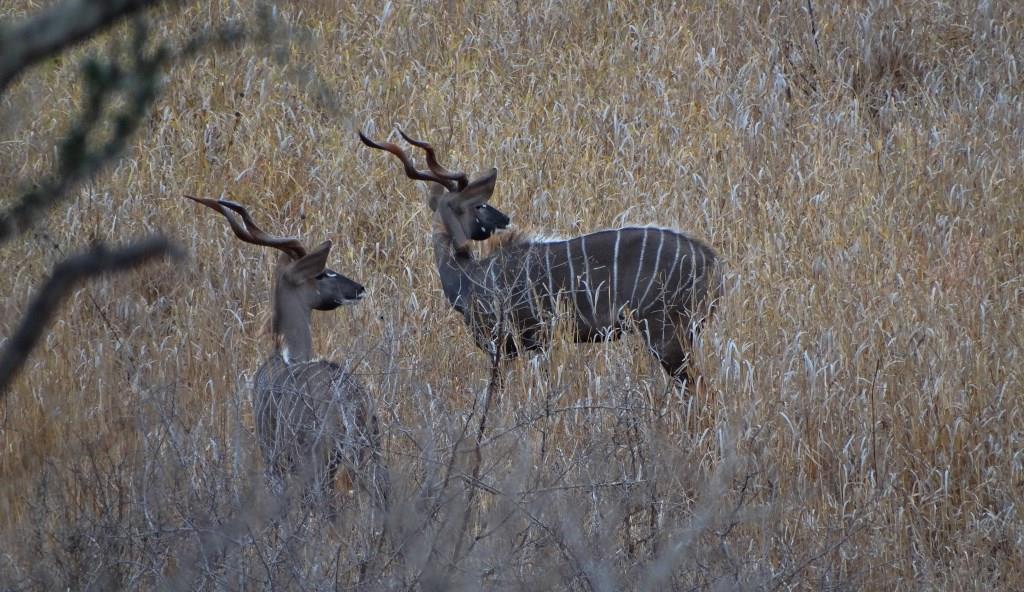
<point x="861" y="420"/>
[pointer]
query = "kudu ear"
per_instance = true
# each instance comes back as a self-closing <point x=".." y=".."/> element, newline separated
<point x="458" y="234"/>
<point x="312" y="265"/>
<point x="480" y="190"/>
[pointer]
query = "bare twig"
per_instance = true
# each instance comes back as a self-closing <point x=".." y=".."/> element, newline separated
<point x="493" y="384"/>
<point x="814" y="26"/>
<point x="874" y="424"/>
<point x="98" y="260"/>
<point x="784" y="579"/>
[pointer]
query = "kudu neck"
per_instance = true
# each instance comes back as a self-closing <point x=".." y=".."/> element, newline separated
<point x="290" y="325"/>
<point x="456" y="267"/>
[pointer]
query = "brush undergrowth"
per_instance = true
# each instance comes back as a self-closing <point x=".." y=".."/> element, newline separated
<point x="860" y="421"/>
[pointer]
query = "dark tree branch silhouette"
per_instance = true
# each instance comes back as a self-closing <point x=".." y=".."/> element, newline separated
<point x="66" y="276"/>
<point x="119" y="91"/>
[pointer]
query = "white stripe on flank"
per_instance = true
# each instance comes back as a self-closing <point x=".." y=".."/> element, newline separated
<point x="613" y="300"/>
<point x="703" y="262"/>
<point x="525" y="286"/>
<point x="680" y="286"/>
<point x="671" y="269"/>
<point x="693" y="267"/>
<point x="568" y="257"/>
<point x="654" y="272"/>
<point x="551" y="283"/>
<point x="593" y="304"/>
<point x="639" y="268"/>
<point x="591" y="294"/>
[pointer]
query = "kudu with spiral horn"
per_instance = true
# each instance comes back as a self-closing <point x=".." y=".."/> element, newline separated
<point x="312" y="416"/>
<point x="656" y="280"/>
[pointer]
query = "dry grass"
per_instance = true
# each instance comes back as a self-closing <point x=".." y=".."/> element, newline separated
<point x="863" y="417"/>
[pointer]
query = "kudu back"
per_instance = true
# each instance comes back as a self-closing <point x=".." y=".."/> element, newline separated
<point x="312" y="416"/>
<point x="656" y="280"/>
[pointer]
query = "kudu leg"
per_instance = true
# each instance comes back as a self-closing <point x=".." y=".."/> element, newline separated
<point x="328" y="488"/>
<point x="374" y="477"/>
<point x="673" y="347"/>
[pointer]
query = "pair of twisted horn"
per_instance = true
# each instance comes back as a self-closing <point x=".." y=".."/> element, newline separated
<point x="452" y="181"/>
<point x="247" y="230"/>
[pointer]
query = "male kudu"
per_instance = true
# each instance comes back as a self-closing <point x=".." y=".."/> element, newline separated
<point x="312" y="416"/>
<point x="657" y="280"/>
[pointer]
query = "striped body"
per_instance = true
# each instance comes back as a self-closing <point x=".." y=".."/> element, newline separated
<point x="312" y="417"/>
<point x="657" y="280"/>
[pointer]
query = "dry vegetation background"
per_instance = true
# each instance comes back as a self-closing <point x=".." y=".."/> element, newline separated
<point x="861" y="425"/>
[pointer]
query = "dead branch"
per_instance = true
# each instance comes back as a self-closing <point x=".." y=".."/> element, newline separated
<point x="67" y="274"/>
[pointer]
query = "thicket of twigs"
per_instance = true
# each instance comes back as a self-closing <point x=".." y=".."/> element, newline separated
<point x="857" y="165"/>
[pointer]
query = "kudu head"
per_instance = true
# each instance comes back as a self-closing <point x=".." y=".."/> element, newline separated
<point x="302" y="281"/>
<point x="460" y="205"/>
